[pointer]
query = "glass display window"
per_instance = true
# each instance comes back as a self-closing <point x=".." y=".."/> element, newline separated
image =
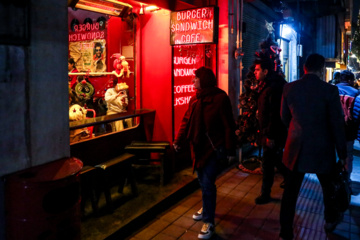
<point x="186" y="59"/>
<point x="101" y="66"/>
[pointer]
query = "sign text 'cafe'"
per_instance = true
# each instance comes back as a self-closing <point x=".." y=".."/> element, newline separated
<point x="193" y="26"/>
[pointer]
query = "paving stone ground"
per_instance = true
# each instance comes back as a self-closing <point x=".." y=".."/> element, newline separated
<point x="238" y="217"/>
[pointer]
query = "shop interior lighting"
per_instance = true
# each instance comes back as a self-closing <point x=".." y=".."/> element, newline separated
<point x="141" y="12"/>
<point x="152" y="8"/>
<point x="110" y="7"/>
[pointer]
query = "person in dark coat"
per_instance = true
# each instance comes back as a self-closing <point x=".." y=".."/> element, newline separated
<point x="273" y="132"/>
<point x="348" y="94"/>
<point x="209" y="126"/>
<point x="312" y="112"/>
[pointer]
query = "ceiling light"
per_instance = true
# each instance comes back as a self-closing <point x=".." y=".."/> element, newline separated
<point x="152" y="8"/>
<point x="141" y="12"/>
<point x="110" y="7"/>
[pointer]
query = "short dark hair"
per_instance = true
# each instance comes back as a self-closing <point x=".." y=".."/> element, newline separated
<point x="265" y="63"/>
<point x="314" y="62"/>
<point x="206" y="76"/>
<point x="346" y="76"/>
<point x="71" y="61"/>
<point x="97" y="44"/>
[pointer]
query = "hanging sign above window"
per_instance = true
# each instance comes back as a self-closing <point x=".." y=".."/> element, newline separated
<point x="199" y="25"/>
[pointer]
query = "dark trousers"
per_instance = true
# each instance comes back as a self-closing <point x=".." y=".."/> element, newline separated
<point x="290" y="195"/>
<point x="272" y="157"/>
<point x="207" y="177"/>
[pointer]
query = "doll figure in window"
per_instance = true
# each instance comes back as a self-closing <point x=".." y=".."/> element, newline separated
<point x="76" y="113"/>
<point x="121" y="66"/>
<point x="117" y="102"/>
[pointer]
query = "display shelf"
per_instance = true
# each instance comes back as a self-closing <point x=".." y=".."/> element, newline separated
<point x="109" y="118"/>
<point x="96" y="73"/>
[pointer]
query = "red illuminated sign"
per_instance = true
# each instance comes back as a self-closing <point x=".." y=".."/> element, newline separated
<point x="85" y="32"/>
<point x="194" y="26"/>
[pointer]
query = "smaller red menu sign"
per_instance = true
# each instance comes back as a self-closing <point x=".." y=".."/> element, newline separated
<point x="194" y="26"/>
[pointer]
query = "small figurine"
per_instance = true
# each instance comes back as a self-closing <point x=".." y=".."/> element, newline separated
<point x="121" y="66"/>
<point x="76" y="113"/>
<point x="117" y="102"/>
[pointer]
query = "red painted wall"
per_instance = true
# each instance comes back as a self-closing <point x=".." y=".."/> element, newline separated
<point x="155" y="71"/>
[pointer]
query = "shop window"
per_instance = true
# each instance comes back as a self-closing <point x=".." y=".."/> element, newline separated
<point x="186" y="59"/>
<point x="101" y="68"/>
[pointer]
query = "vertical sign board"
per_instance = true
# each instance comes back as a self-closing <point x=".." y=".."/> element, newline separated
<point x="187" y="58"/>
<point x="191" y="32"/>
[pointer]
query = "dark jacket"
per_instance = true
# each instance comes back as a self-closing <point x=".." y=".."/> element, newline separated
<point x="208" y="124"/>
<point x="312" y="112"/>
<point x="356" y="114"/>
<point x="348" y="95"/>
<point x="269" y="102"/>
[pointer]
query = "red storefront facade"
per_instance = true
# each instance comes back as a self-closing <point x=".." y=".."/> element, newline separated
<point x="157" y="63"/>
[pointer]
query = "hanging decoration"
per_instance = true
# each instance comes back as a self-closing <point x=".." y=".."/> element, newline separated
<point x="247" y="124"/>
<point x="84" y="90"/>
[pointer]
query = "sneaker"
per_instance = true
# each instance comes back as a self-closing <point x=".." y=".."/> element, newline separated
<point x="198" y="215"/>
<point x="207" y="231"/>
<point x="262" y="199"/>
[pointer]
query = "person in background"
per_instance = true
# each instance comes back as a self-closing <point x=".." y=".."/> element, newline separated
<point x="357" y="81"/>
<point x="348" y="94"/>
<point x="272" y="133"/>
<point x="336" y="78"/>
<point x="72" y="69"/>
<point x="312" y="112"/>
<point x="208" y="125"/>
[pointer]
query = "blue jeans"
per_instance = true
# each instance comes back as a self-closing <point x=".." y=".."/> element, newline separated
<point x="207" y="177"/>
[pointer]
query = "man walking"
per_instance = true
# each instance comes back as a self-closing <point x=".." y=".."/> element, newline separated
<point x="312" y="112"/>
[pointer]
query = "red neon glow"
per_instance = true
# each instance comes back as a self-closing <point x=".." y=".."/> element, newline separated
<point x="74" y="37"/>
<point x="186" y="59"/>
<point x="86" y="27"/>
<point x="192" y="26"/>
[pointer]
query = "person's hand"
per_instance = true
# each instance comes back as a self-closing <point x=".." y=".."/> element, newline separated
<point x="270" y="143"/>
<point x="176" y="147"/>
<point x="123" y="101"/>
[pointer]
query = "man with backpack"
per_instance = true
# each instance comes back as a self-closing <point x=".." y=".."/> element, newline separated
<point x="348" y="96"/>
